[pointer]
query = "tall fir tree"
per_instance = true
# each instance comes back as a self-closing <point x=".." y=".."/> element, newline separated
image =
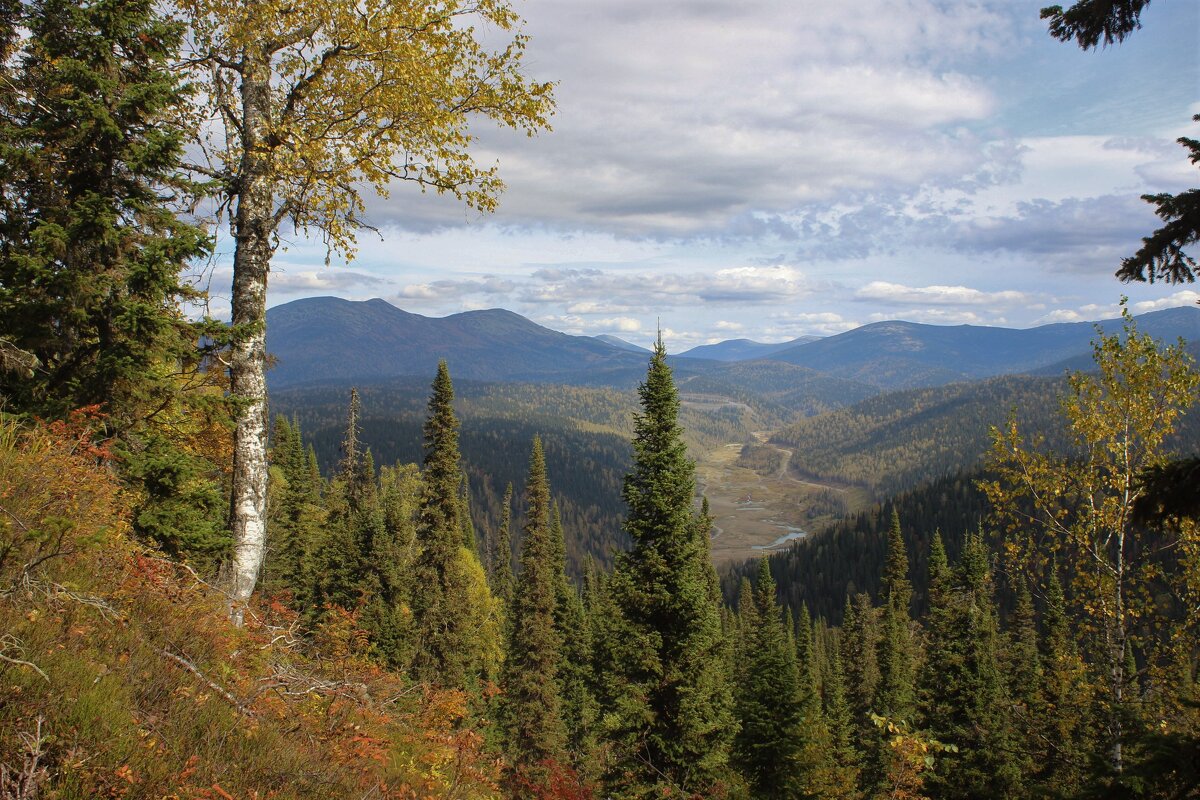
<point x="768" y="699"/>
<point x="969" y="706"/>
<point x="894" y="696"/>
<point x="297" y="516"/>
<point x="575" y="675"/>
<point x="1069" y="724"/>
<point x="817" y="775"/>
<point x="441" y="655"/>
<point x="671" y="719"/>
<point x="501" y="575"/>
<point x="1022" y="665"/>
<point x="860" y="643"/>
<point x="532" y="706"/>
<point x="847" y="760"/>
<point x="93" y="125"/>
<point x="91" y="141"/>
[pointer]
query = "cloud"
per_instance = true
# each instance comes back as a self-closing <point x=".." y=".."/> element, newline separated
<point x="679" y="118"/>
<point x="1060" y="315"/>
<point x="287" y="279"/>
<point x="1072" y="234"/>
<point x="460" y="288"/>
<point x="790" y="325"/>
<point x="937" y="295"/>
<point x="617" y="324"/>
<point x="594" y="291"/>
<point x="1185" y="297"/>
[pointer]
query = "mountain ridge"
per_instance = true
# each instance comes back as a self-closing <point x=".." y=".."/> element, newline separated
<point x="327" y="339"/>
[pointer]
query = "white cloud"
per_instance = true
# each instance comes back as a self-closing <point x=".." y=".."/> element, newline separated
<point x="618" y="324"/>
<point x="938" y="295"/>
<point x="1060" y="315"/>
<point x="1185" y="297"/>
<point x="676" y="117"/>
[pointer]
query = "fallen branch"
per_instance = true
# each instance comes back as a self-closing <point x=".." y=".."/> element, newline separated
<point x="221" y="690"/>
<point x="9" y="642"/>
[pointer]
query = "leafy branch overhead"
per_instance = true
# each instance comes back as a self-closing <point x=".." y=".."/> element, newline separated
<point x="360" y="94"/>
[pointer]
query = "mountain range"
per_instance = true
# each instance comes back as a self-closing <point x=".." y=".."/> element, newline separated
<point x="330" y="340"/>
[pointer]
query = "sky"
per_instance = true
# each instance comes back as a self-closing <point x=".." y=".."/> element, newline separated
<point x="767" y="169"/>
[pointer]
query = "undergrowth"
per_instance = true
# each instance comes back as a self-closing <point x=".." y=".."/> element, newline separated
<point x="120" y="676"/>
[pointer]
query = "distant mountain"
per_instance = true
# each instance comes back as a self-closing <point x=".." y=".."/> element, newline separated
<point x="621" y="344"/>
<point x="902" y="355"/>
<point x="743" y="349"/>
<point x="326" y="339"/>
<point x="788" y="388"/>
<point x="329" y="340"/>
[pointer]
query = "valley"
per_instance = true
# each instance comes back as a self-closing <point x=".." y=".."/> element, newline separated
<point x="760" y="511"/>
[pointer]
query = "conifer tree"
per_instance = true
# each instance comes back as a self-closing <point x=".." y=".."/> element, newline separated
<point x="579" y="708"/>
<point x="297" y="516"/>
<point x="768" y="701"/>
<point x="533" y="707"/>
<point x="860" y="638"/>
<point x="1022" y="665"/>
<point x="969" y="705"/>
<point x="670" y="695"/>
<point x="816" y="774"/>
<point x="846" y="757"/>
<point x="894" y="697"/>
<point x="346" y="573"/>
<point x="91" y="247"/>
<point x="501" y="561"/>
<point x="860" y="642"/>
<point x="93" y="123"/>
<point x="448" y="647"/>
<point x="464" y="517"/>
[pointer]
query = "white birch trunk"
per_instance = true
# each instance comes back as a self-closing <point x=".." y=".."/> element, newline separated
<point x="253" y="230"/>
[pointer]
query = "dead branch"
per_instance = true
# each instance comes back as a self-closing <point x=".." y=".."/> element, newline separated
<point x="10" y="643"/>
<point x="221" y="690"/>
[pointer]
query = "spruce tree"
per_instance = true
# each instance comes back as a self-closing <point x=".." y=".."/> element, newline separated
<point x="532" y="705"/>
<point x="93" y="123"/>
<point x="969" y="704"/>
<point x="1069" y="723"/>
<point x="671" y="715"/>
<point x="846" y="757"/>
<point x="860" y="641"/>
<point x="816" y="774"/>
<point x="1025" y="683"/>
<point x="769" y="699"/>
<point x="894" y="698"/>
<point x="92" y="133"/>
<point x="297" y="516"/>
<point x="442" y="654"/>
<point x="580" y="710"/>
<point x="501" y="560"/>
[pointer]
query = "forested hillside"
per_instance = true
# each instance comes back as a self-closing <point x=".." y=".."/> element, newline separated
<point x="896" y="441"/>
<point x="839" y="561"/>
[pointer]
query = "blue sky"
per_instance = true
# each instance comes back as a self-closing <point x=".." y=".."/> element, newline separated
<point x="772" y="168"/>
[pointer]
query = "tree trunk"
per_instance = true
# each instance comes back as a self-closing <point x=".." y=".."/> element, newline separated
<point x="253" y="232"/>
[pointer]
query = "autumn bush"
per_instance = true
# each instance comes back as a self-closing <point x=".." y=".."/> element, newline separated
<point x="120" y="676"/>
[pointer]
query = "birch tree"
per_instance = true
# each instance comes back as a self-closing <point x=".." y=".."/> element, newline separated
<point x="1078" y="508"/>
<point x="313" y="103"/>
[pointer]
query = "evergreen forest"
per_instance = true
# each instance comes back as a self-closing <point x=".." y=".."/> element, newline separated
<point x="419" y="587"/>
